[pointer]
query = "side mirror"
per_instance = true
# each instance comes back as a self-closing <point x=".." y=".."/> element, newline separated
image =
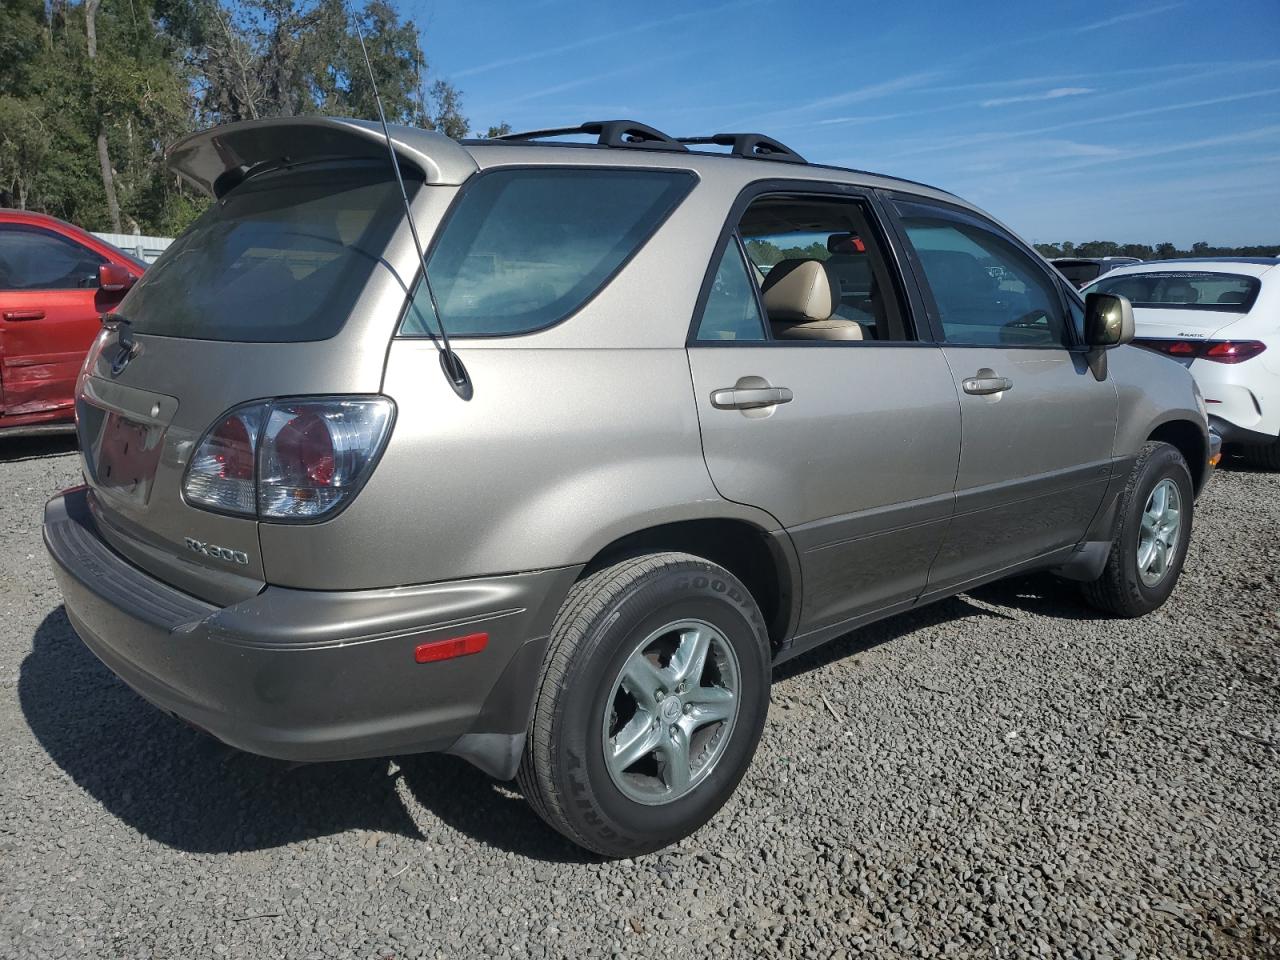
<point x="113" y="278"/>
<point x="1108" y="320"/>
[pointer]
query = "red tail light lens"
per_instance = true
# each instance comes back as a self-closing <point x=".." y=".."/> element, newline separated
<point x="1234" y="351"/>
<point x="221" y="472"/>
<point x="315" y="454"/>
<point x="288" y="460"/>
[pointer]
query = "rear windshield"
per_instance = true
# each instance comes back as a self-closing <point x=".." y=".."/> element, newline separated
<point x="1184" y="290"/>
<point x="1080" y="272"/>
<point x="279" y="259"/>
<point x="523" y="249"/>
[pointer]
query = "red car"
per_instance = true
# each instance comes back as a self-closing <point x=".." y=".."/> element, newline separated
<point x="56" y="282"/>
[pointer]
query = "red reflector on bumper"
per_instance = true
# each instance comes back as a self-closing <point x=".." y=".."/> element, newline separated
<point x="448" y="649"/>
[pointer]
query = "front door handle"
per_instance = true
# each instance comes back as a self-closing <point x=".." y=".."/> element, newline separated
<point x="16" y="315"/>
<point x="985" y="382"/>
<point x="749" y="398"/>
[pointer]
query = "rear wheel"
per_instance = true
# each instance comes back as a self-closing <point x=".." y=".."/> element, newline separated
<point x="1150" y="546"/>
<point x="1266" y="455"/>
<point x="651" y="703"/>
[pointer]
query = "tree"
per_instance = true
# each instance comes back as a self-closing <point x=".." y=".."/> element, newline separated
<point x="501" y="130"/>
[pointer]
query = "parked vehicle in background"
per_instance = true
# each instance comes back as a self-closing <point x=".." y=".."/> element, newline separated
<point x="1082" y="270"/>
<point x="1220" y="318"/>
<point x="571" y="546"/>
<point x="56" y="282"/>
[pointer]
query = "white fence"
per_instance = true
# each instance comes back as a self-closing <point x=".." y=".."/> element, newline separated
<point x="144" y="248"/>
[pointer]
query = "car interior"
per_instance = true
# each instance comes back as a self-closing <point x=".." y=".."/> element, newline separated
<point x="823" y="276"/>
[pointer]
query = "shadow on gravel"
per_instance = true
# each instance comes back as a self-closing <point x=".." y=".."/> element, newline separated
<point x="184" y="789"/>
<point x="179" y="786"/>
<point x="36" y="448"/>
<point x="1041" y="594"/>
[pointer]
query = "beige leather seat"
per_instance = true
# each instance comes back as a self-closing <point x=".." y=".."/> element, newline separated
<point x="800" y="297"/>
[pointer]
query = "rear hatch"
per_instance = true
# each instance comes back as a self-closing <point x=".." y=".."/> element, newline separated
<point x="289" y="285"/>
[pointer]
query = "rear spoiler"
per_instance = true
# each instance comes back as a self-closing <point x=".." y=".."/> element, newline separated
<point x="215" y="160"/>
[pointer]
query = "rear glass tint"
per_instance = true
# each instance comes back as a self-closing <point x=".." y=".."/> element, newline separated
<point x="523" y="249"/>
<point x="281" y="258"/>
<point x="1184" y="290"/>
<point x="1079" y="272"/>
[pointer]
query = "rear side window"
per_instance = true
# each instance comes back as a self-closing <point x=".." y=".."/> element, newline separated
<point x="280" y="259"/>
<point x="35" y="259"/>
<point x="523" y="249"/>
<point x="1184" y="290"/>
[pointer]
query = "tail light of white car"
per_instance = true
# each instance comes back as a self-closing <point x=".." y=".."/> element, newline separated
<point x="291" y="460"/>
<point x="1219" y="351"/>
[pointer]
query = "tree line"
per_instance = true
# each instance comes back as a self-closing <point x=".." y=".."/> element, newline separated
<point x="93" y="91"/>
<point x="1144" y="251"/>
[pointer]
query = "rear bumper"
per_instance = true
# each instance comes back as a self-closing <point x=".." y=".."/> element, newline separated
<point x="1229" y="432"/>
<point x="310" y="675"/>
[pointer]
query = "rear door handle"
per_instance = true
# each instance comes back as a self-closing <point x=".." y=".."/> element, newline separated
<point x="985" y="382"/>
<point x="749" y="398"/>
<point x="16" y="315"/>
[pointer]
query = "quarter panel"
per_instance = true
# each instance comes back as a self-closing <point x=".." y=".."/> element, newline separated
<point x="558" y="453"/>
<point x="1152" y="390"/>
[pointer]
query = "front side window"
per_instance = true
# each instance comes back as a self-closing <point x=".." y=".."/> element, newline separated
<point x="987" y="291"/>
<point x="522" y="249"/>
<point x="732" y="311"/>
<point x="36" y="259"/>
<point x="1184" y="290"/>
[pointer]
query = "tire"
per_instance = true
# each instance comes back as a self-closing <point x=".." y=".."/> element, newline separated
<point x="1123" y="590"/>
<point x="582" y="696"/>
<point x="1265" y="456"/>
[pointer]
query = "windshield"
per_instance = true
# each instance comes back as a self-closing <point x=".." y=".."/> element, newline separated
<point x="1184" y="290"/>
<point x="281" y="258"/>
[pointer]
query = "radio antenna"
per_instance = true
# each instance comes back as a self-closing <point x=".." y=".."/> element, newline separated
<point x="450" y="362"/>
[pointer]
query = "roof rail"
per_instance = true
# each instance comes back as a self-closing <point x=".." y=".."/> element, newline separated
<point x="753" y="146"/>
<point x="611" y="133"/>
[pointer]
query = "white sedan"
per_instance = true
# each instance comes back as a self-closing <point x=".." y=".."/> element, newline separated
<point x="1221" y="318"/>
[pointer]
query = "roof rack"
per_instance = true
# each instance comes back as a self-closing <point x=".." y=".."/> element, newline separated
<point x="611" y="133"/>
<point x="629" y="133"/>
<point x="753" y="146"/>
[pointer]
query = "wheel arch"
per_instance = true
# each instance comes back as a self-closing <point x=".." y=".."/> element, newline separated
<point x="764" y="561"/>
<point x="1190" y="440"/>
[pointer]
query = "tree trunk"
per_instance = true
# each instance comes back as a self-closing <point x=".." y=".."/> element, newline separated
<point x="104" y="155"/>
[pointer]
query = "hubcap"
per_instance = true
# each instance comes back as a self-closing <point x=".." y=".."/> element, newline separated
<point x="671" y="712"/>
<point x="1158" y="536"/>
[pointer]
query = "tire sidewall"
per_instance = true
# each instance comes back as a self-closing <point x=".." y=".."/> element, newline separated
<point x="1165" y="462"/>
<point x="593" y="802"/>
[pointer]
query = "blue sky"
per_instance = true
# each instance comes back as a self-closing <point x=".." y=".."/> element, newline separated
<point x="1138" y="122"/>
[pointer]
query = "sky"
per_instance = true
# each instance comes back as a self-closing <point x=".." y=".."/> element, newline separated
<point x="1136" y="122"/>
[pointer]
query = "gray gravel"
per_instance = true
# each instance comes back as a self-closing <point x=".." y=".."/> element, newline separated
<point x="1001" y="775"/>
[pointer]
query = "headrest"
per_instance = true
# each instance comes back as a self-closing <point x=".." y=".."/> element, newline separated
<point x="845" y="244"/>
<point x="800" y="290"/>
<point x="1179" y="291"/>
<point x="1233" y="296"/>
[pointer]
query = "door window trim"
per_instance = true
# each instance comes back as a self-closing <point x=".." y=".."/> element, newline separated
<point x="909" y="305"/>
<point x="963" y="215"/>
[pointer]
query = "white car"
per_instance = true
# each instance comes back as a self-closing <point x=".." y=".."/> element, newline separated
<point x="1220" y="317"/>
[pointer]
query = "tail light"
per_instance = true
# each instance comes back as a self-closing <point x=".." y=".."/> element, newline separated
<point x="1234" y="351"/>
<point x="288" y="460"/>
<point x="1219" y="351"/>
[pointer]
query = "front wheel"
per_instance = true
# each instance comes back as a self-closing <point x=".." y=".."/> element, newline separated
<point x="1265" y="455"/>
<point x="652" y="700"/>
<point x="1150" y="546"/>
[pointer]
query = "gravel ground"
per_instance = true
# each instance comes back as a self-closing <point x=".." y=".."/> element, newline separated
<point x="1001" y="775"/>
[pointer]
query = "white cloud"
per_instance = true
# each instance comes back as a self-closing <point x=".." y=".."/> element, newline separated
<point x="1057" y="93"/>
